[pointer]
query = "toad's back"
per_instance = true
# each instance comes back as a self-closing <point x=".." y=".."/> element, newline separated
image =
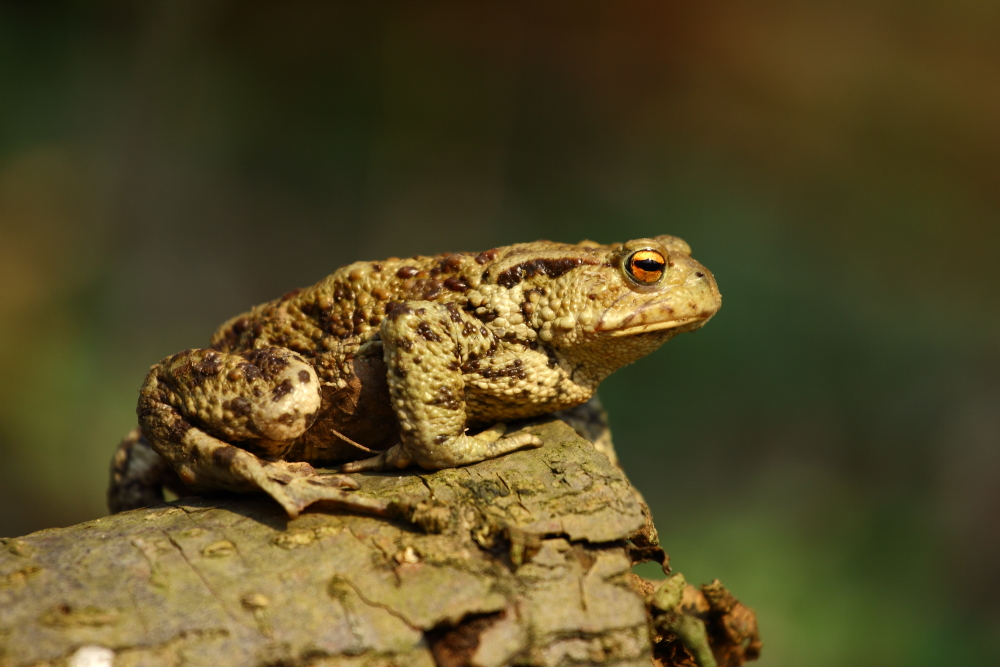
<point x="353" y="301"/>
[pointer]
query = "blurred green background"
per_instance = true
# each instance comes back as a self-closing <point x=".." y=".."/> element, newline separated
<point x="829" y="446"/>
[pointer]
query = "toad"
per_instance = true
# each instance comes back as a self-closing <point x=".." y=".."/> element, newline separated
<point x="404" y="362"/>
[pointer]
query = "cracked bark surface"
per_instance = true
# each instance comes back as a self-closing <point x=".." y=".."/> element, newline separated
<point x="522" y="560"/>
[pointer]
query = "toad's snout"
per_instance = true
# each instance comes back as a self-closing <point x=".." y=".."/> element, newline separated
<point x="689" y="297"/>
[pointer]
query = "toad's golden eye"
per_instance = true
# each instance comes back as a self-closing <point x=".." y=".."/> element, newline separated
<point x="646" y="266"/>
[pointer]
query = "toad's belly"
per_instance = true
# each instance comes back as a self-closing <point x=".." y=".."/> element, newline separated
<point x="355" y="422"/>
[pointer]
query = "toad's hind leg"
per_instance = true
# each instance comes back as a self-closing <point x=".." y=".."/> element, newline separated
<point x="192" y="403"/>
<point x="204" y="462"/>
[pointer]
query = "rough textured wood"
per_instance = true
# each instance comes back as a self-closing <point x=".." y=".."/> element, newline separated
<point x="520" y="560"/>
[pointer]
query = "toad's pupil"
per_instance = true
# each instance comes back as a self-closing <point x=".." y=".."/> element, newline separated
<point x="648" y="265"/>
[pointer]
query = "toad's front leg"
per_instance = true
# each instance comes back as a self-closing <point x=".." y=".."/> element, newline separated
<point x="425" y="345"/>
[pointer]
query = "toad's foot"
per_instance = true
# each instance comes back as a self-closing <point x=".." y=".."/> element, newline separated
<point x="294" y="485"/>
<point x="139" y="476"/>
<point x="297" y="489"/>
<point x="460" y="450"/>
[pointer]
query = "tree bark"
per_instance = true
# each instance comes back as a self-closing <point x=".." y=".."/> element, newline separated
<point x="521" y="560"/>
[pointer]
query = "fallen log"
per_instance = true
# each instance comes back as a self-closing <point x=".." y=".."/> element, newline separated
<point x="521" y="560"/>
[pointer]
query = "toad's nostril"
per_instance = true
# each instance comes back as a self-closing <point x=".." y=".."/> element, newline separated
<point x="699" y="274"/>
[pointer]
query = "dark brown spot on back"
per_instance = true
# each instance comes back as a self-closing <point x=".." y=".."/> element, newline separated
<point x="456" y="284"/>
<point x="553" y="268"/>
<point x="487" y="256"/>
<point x="451" y="262"/>
<point x="405" y="272"/>
<point x="432" y="289"/>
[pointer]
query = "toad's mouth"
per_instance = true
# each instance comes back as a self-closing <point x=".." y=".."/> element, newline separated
<point x="689" y="323"/>
<point x="626" y="319"/>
